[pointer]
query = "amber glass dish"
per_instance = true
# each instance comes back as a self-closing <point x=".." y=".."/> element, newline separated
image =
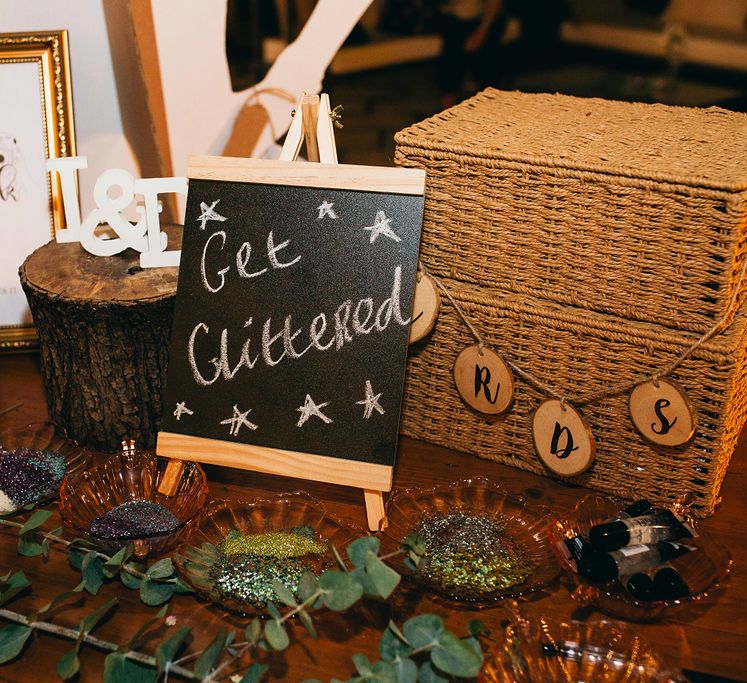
<point x="525" y="527"/>
<point x="45" y="436"/>
<point x="130" y="477"/>
<point x="702" y="570"/>
<point x="573" y="652"/>
<point x="284" y="512"/>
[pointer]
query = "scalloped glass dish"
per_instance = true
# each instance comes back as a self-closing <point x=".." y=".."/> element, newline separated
<point x="523" y="529"/>
<point x="129" y="477"/>
<point x="45" y="439"/>
<point x="199" y="559"/>
<point x="574" y="652"/>
<point x="702" y="570"/>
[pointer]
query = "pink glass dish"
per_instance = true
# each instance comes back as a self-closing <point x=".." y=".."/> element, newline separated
<point x="701" y="570"/>
<point x="283" y="512"/>
<point x="525" y="526"/>
<point x="45" y="436"/>
<point x="129" y="477"/>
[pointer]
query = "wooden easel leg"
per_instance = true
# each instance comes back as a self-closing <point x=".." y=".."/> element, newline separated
<point x="374" y="508"/>
<point x="171" y="477"/>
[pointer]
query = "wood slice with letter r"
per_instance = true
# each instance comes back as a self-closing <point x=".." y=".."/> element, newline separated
<point x="484" y="380"/>
<point x="104" y="326"/>
<point x="562" y="438"/>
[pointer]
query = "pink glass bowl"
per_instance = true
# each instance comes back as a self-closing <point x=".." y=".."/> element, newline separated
<point x="130" y="477"/>
<point x="45" y="436"/>
<point x="284" y="512"/>
<point x="525" y="527"/>
<point x="701" y="570"/>
<point x="574" y="652"/>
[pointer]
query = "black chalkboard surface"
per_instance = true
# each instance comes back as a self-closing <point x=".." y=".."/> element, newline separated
<point x="292" y="316"/>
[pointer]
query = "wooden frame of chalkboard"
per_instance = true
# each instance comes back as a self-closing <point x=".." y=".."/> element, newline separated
<point x="284" y="241"/>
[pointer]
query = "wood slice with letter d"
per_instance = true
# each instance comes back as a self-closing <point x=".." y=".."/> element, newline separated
<point x="104" y="326"/>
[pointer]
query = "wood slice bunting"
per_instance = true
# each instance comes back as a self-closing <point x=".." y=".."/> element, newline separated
<point x="425" y="307"/>
<point x="484" y="380"/>
<point x="661" y="412"/>
<point x="562" y="438"/>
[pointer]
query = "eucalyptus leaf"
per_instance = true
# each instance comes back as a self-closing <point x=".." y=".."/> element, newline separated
<point x="253" y="631"/>
<point x="392" y="646"/>
<point x="12" y="639"/>
<point x="255" y="673"/>
<point x="93" y="572"/>
<point x="362" y="577"/>
<point x="360" y="547"/>
<point x="384" y="671"/>
<point x="276" y="635"/>
<point x="167" y="651"/>
<point x="28" y="546"/>
<point x="454" y="656"/>
<point x="119" y="669"/>
<point x="383" y="577"/>
<point x="415" y="542"/>
<point x="273" y="611"/>
<point x="112" y="565"/>
<point x="305" y="618"/>
<point x="132" y="643"/>
<point x="308" y="585"/>
<point x="427" y="673"/>
<point x="283" y="593"/>
<point x="161" y="569"/>
<point x="338" y="557"/>
<point x="56" y="602"/>
<point x="69" y="664"/>
<point x="423" y="630"/>
<point x="35" y="521"/>
<point x="14" y="585"/>
<point x="129" y="580"/>
<point x="181" y="588"/>
<point x="89" y="622"/>
<point x="205" y="662"/>
<point x="75" y="558"/>
<point x="155" y="593"/>
<point x="340" y="590"/>
<point x="405" y="670"/>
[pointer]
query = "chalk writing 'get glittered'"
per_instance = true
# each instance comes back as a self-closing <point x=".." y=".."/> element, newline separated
<point x="218" y="241"/>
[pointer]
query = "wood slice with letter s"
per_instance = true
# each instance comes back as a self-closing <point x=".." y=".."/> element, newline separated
<point x="104" y="326"/>
<point x="661" y="412"/>
<point x="562" y="438"/>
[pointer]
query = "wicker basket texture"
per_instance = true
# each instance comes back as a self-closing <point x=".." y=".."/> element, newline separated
<point x="578" y="351"/>
<point x="635" y="210"/>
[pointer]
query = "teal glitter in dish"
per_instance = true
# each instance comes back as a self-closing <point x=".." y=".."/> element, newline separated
<point x="28" y="476"/>
<point x="470" y="556"/>
<point x="274" y="556"/>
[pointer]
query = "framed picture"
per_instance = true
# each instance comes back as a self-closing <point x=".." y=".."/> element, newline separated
<point x="36" y="122"/>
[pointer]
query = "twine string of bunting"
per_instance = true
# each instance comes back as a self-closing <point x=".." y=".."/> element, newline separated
<point x="581" y="399"/>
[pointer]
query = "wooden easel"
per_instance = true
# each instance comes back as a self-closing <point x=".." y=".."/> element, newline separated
<point x="313" y="124"/>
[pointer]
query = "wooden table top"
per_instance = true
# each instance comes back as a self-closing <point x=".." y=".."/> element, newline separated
<point x="711" y="639"/>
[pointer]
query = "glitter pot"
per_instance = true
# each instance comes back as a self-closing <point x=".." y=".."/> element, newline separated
<point x="235" y="549"/>
<point x="482" y="543"/>
<point x="33" y="463"/>
<point x="118" y="502"/>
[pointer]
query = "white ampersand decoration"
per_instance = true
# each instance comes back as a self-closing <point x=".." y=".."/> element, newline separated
<point x="144" y="236"/>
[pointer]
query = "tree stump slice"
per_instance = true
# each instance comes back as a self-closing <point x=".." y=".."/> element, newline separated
<point x="104" y="326"/>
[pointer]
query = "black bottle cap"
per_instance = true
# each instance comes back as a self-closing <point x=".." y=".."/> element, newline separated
<point x="609" y="536"/>
<point x="597" y="567"/>
<point x="641" y="586"/>
<point x="669" y="584"/>
<point x="639" y="508"/>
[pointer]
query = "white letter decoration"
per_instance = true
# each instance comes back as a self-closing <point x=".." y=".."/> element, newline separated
<point x="144" y="236"/>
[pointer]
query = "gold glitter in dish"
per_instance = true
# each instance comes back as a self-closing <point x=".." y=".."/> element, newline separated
<point x="278" y="544"/>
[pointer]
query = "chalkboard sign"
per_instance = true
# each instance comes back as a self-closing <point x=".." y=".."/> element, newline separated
<point x="292" y="317"/>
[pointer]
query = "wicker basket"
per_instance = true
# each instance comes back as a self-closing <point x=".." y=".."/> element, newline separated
<point x="635" y="210"/>
<point x="576" y="350"/>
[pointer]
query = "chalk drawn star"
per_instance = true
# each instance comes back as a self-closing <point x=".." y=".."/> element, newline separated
<point x="209" y="214"/>
<point x="371" y="402"/>
<point x="238" y="421"/>
<point x="325" y="209"/>
<point x="381" y="227"/>
<point x="310" y="408"/>
<point x="181" y="409"/>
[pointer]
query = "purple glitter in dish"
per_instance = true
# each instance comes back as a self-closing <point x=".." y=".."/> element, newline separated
<point x="28" y="476"/>
<point x="134" y="519"/>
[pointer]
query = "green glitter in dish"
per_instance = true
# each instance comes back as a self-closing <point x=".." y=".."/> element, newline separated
<point x="248" y="564"/>
<point x="470" y="555"/>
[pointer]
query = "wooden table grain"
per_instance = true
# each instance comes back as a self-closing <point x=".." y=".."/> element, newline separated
<point x="711" y="639"/>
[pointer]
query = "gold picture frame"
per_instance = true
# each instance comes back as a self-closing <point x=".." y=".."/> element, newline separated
<point x="36" y="123"/>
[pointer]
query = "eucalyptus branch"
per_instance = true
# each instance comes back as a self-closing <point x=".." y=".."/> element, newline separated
<point x="101" y="644"/>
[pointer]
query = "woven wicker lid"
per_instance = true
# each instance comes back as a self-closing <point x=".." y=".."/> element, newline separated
<point x="692" y="146"/>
